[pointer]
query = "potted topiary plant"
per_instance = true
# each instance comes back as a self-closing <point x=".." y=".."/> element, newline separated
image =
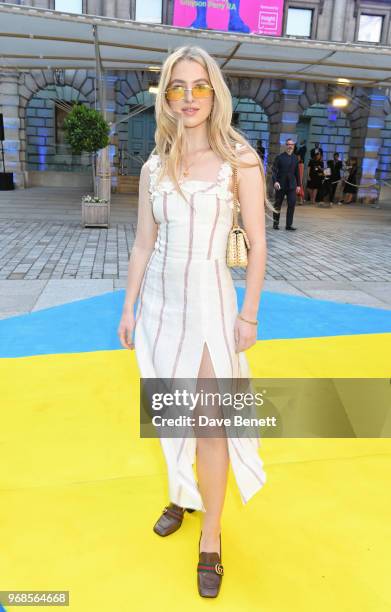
<point x="86" y="130"/>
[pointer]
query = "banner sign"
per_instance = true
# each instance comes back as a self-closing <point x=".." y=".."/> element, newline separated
<point x="262" y="17"/>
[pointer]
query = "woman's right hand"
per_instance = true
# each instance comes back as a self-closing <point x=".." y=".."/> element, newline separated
<point x="125" y="329"/>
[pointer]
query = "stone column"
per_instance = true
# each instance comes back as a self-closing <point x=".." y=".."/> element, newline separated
<point x="110" y="8"/>
<point x="368" y="121"/>
<point x="9" y="107"/>
<point x="124" y="9"/>
<point x="337" y="30"/>
<point x="94" y="7"/>
<point x="39" y="3"/>
<point x="267" y="95"/>
<point x="284" y="116"/>
<point x="105" y="159"/>
<point x="111" y="79"/>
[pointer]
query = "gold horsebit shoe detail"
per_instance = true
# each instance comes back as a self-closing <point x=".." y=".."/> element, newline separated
<point x="219" y="569"/>
<point x="173" y="511"/>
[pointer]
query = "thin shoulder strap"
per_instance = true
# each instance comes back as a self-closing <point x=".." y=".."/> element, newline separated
<point x="236" y="206"/>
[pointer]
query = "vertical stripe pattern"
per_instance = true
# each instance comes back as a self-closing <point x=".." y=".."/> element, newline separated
<point x="223" y="315"/>
<point x="189" y="255"/>
<point x="212" y="233"/>
<point x="163" y="281"/>
<point x="244" y="462"/>
<point x="142" y="287"/>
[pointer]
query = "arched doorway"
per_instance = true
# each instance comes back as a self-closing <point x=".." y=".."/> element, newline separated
<point x="328" y="126"/>
<point x="46" y="146"/>
<point x="250" y="118"/>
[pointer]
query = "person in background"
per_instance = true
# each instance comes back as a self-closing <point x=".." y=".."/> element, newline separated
<point x="324" y="194"/>
<point x="335" y="166"/>
<point x="320" y="193"/>
<point x="301" y="153"/>
<point x="315" y="176"/>
<point x="286" y="182"/>
<point x="350" y="188"/>
<point x="317" y="149"/>
<point x="260" y="150"/>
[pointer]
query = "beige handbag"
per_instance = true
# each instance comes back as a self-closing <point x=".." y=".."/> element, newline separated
<point x="238" y="242"/>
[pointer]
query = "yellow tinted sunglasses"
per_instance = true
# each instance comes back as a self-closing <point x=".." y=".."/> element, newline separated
<point x="177" y="92"/>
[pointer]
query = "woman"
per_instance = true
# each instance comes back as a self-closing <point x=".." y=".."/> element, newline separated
<point x="350" y="187"/>
<point x="301" y="156"/>
<point x="335" y="166"/>
<point x="260" y="149"/>
<point x="187" y="322"/>
<point x="315" y="176"/>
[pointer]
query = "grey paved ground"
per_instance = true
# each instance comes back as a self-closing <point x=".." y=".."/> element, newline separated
<point x="46" y="257"/>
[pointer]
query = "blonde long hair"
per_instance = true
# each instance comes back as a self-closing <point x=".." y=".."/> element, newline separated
<point x="222" y="137"/>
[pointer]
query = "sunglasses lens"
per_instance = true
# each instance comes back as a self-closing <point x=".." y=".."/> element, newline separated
<point x="175" y="93"/>
<point x="202" y="91"/>
<point x="198" y="91"/>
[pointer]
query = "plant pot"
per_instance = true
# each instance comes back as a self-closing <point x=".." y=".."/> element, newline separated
<point x="95" y="214"/>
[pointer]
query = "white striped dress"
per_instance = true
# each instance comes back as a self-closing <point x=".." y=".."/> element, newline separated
<point x="187" y="297"/>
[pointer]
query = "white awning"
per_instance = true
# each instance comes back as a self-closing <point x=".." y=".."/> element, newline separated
<point x="32" y="38"/>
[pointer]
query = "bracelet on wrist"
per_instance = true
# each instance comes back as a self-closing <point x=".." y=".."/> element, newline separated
<point x="247" y="321"/>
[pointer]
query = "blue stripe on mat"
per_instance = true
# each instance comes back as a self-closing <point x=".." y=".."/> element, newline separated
<point x="91" y="324"/>
<point x="293" y="316"/>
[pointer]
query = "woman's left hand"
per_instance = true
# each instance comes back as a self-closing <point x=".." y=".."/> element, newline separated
<point x="245" y="335"/>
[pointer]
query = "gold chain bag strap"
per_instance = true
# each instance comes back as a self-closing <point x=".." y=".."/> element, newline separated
<point x="238" y="242"/>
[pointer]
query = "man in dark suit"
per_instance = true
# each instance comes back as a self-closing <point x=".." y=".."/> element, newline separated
<point x="335" y="166"/>
<point x="286" y="181"/>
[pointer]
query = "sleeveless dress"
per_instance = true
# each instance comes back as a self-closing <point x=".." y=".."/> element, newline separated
<point x="187" y="298"/>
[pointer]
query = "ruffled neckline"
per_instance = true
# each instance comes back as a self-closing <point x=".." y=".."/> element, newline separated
<point x="166" y="185"/>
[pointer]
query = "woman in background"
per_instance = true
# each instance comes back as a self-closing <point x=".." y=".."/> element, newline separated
<point x="315" y="176"/>
<point x="300" y="152"/>
<point x="350" y="188"/>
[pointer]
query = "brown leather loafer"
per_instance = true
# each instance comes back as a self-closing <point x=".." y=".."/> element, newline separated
<point x="170" y="519"/>
<point x="209" y="572"/>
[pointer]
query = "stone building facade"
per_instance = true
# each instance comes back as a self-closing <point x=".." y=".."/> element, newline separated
<point x="267" y="109"/>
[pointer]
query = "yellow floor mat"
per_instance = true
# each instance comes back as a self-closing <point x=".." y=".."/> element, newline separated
<point x="80" y="492"/>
